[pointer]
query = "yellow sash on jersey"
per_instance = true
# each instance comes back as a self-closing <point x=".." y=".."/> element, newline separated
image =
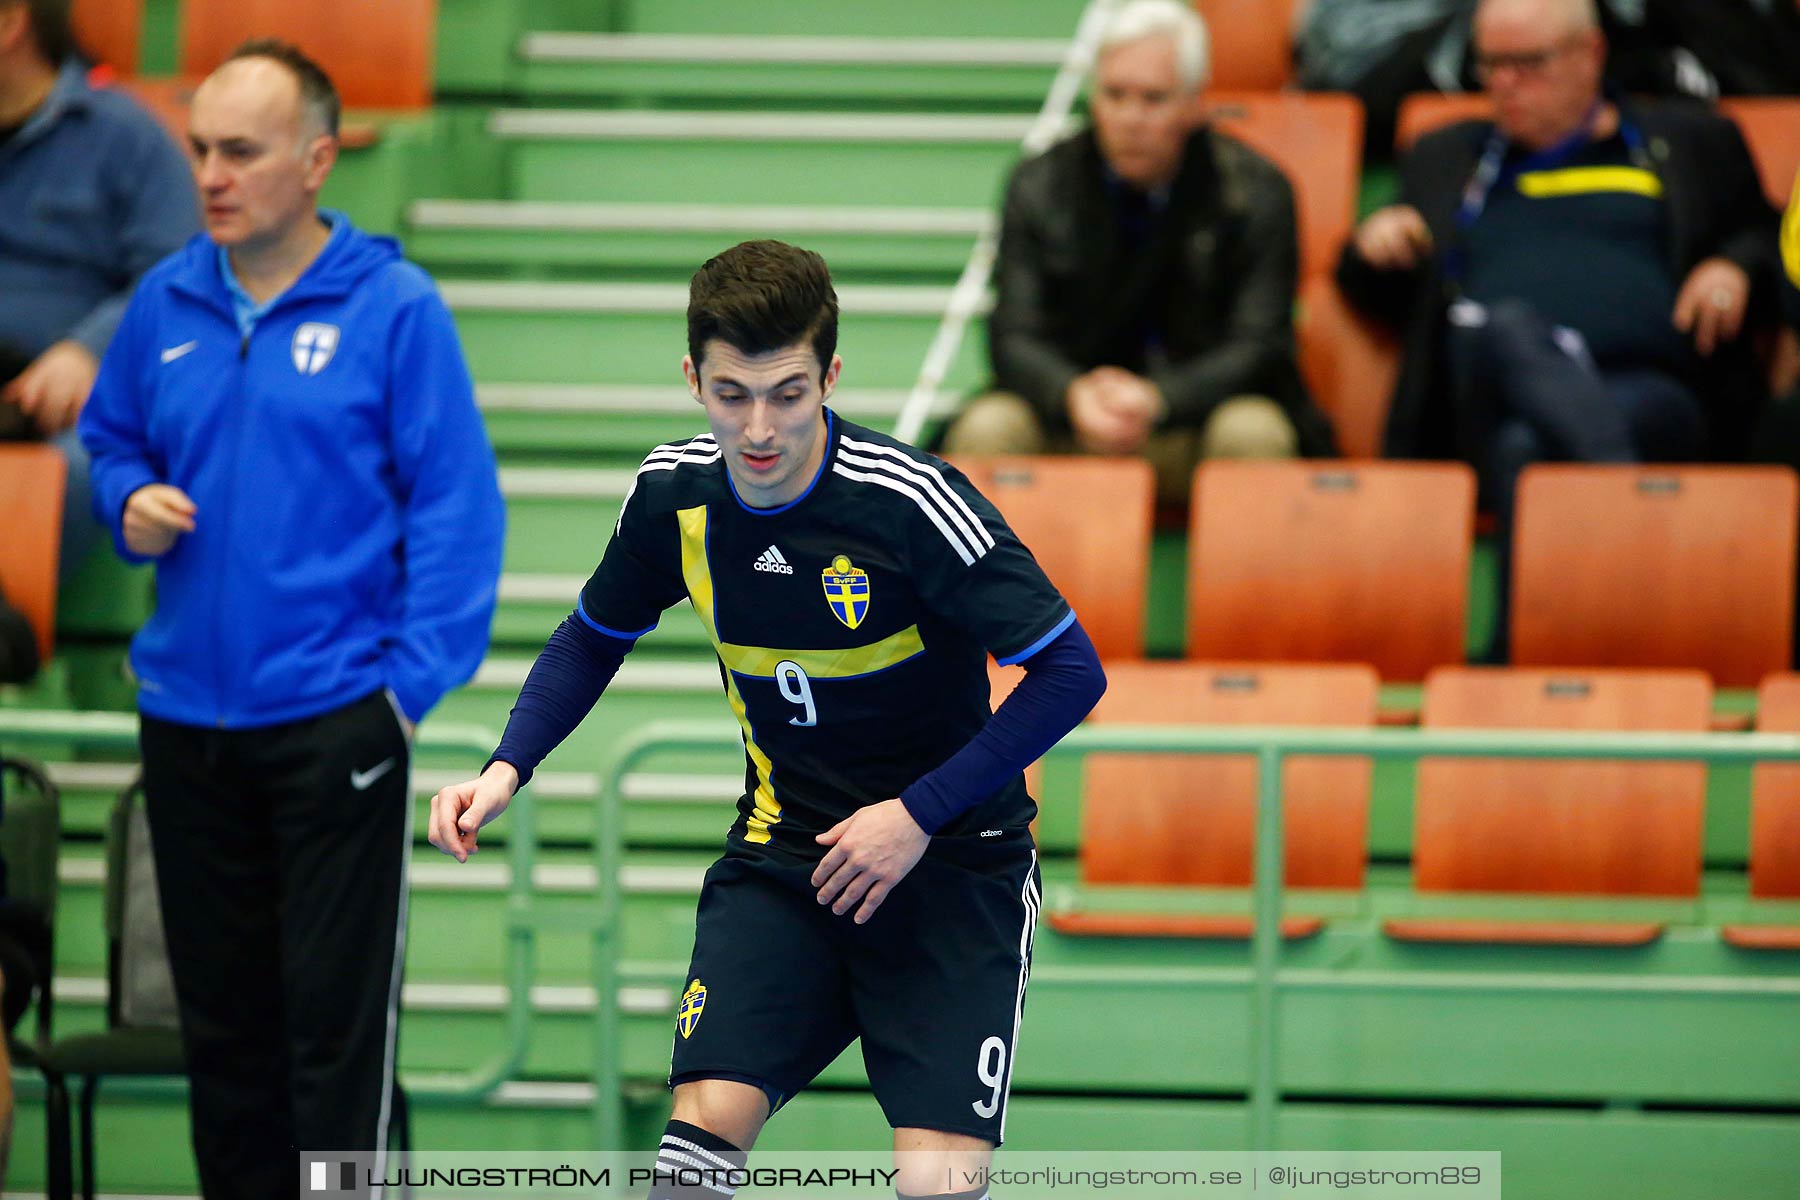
<point x="760" y="662"/>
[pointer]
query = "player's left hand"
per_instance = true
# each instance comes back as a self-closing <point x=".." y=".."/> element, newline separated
<point x="53" y="388"/>
<point x="871" y="850"/>
<point x="1711" y="303"/>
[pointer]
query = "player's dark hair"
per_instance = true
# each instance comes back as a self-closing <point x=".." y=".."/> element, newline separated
<point x="763" y="296"/>
<point x="318" y="95"/>
<point x="50" y="29"/>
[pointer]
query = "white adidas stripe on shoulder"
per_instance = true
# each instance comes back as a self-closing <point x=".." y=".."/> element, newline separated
<point x="697" y="450"/>
<point x="930" y="484"/>
<point x="934" y="481"/>
<point x="930" y="509"/>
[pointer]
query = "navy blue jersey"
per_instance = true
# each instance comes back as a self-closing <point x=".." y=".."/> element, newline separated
<point x="852" y="624"/>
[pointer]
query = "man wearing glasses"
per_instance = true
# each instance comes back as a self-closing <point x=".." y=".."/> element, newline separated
<point x="1575" y="279"/>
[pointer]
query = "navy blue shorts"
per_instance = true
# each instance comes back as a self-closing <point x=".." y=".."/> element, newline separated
<point x="934" y="984"/>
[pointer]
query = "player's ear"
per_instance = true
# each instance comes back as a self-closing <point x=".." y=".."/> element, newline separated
<point x="829" y="384"/>
<point x="692" y="374"/>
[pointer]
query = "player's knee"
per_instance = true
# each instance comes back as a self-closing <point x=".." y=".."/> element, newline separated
<point x="1249" y="427"/>
<point x="940" y="1165"/>
<point x="724" y="1108"/>
<point x="996" y="423"/>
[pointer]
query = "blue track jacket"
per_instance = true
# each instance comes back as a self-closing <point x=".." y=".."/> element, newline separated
<point x="349" y="521"/>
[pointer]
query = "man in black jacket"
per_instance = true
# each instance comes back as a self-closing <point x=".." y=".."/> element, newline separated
<point x="1575" y="280"/>
<point x="1146" y="279"/>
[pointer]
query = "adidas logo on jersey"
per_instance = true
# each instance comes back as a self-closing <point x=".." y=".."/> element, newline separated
<point x="772" y="562"/>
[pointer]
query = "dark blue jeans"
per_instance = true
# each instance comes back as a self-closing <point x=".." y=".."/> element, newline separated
<point x="1523" y="396"/>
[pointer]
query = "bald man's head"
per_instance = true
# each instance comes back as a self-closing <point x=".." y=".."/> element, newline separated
<point x="1541" y="61"/>
<point x="318" y="97"/>
<point x="263" y="141"/>
<point x="1558" y="17"/>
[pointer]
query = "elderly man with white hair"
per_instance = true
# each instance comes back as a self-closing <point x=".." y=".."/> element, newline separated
<point x="1146" y="279"/>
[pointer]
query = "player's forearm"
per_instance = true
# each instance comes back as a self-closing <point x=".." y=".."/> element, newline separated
<point x="565" y="682"/>
<point x="1062" y="683"/>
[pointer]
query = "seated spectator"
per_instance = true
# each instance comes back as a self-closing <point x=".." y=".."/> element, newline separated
<point x="1146" y="280"/>
<point x="1575" y="280"/>
<point x="1382" y="51"/>
<point x="93" y="192"/>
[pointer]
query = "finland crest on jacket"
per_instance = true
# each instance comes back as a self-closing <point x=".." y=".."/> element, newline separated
<point x="314" y="344"/>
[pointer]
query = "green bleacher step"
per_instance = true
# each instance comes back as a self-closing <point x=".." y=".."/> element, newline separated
<point x="521" y="235"/>
<point x="478" y="40"/>
<point x="919" y="18"/>
<point x="618" y="333"/>
<point x="763" y="67"/>
<point x="558" y="521"/>
<point x="932" y="160"/>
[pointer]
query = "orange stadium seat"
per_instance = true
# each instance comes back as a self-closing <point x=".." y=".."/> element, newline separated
<point x="1316" y="139"/>
<point x="379" y="54"/>
<point x="1187" y="820"/>
<point x="109" y="32"/>
<point x="1557" y="827"/>
<point x="1313" y="562"/>
<point x="168" y="100"/>
<point x="1350" y="365"/>
<point x="1252" y="42"/>
<point x="1774" y="821"/>
<point x="1653" y="566"/>
<point x="1423" y="112"/>
<point x="32" y="476"/>
<point x="1088" y="522"/>
<point x="1771" y="127"/>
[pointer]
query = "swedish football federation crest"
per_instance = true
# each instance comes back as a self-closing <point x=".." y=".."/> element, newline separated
<point x="846" y="590"/>
<point x="693" y="1003"/>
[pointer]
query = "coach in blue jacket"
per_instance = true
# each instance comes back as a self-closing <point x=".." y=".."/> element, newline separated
<point x="285" y="424"/>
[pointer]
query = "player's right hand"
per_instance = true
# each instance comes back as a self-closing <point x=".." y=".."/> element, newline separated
<point x="459" y="811"/>
<point x="1394" y="238"/>
<point x="155" y="515"/>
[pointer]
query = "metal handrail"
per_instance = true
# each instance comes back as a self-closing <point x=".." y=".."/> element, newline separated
<point x="1271" y="745"/>
<point x="116" y="730"/>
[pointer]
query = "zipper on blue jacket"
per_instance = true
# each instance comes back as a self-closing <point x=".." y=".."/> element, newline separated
<point x="238" y="419"/>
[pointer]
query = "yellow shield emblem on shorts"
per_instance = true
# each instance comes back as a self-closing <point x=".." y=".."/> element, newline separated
<point x="846" y="590"/>
<point x="693" y="1003"/>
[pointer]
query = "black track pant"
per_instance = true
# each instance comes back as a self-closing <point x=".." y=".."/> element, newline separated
<point x="281" y="858"/>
